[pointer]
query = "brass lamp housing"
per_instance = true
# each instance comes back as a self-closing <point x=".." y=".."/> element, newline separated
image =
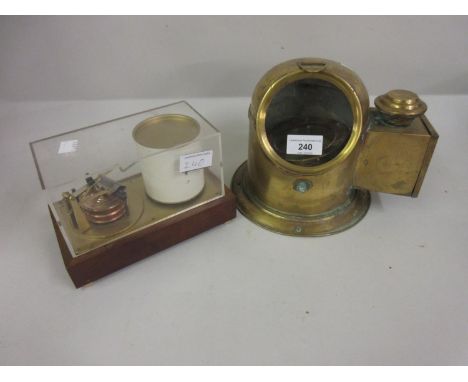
<point x="293" y="197"/>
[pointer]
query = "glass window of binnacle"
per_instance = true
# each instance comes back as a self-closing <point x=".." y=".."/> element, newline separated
<point x="309" y="107"/>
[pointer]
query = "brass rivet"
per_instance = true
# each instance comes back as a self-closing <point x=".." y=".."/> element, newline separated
<point x="298" y="229"/>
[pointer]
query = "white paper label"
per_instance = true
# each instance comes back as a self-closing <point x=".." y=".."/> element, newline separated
<point x="68" y="146"/>
<point x="304" y="144"/>
<point x="195" y="161"/>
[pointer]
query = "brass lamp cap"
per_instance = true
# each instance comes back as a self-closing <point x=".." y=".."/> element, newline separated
<point x="400" y="106"/>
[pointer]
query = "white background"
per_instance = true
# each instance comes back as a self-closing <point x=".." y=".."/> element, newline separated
<point x="47" y="58"/>
<point x="391" y="290"/>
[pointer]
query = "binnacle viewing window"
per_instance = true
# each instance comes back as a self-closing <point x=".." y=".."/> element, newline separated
<point x="309" y="107"/>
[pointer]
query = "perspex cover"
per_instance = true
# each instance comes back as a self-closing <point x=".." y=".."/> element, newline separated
<point x="112" y="179"/>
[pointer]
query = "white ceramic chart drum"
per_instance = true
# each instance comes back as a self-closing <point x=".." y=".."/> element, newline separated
<point x="160" y="141"/>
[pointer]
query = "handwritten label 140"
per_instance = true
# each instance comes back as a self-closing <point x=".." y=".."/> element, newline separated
<point x="195" y="161"/>
<point x="304" y="144"/>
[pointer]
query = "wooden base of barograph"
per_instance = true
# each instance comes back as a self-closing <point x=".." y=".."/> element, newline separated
<point x="129" y="249"/>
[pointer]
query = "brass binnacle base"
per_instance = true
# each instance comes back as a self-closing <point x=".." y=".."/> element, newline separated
<point x="331" y="222"/>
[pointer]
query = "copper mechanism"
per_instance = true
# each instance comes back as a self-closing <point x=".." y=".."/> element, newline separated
<point x="103" y="201"/>
<point x="100" y="201"/>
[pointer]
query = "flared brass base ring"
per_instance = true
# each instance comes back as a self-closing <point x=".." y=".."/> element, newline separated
<point x="328" y="223"/>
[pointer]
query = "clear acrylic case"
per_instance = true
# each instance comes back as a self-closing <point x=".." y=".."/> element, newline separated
<point x="115" y="178"/>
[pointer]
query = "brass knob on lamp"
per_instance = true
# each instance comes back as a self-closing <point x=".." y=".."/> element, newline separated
<point x="399" y="107"/>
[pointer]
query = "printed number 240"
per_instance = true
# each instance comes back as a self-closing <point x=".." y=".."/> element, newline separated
<point x="305" y="146"/>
